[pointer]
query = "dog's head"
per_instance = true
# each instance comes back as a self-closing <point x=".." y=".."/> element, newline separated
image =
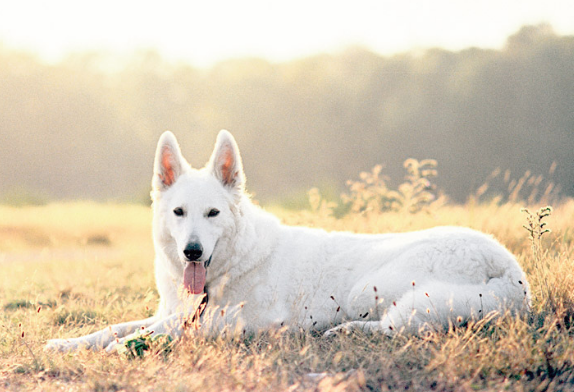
<point x="193" y="209"/>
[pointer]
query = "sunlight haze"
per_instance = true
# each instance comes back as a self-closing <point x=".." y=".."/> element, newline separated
<point x="204" y="33"/>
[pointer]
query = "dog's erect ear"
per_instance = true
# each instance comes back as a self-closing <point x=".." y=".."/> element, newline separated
<point x="225" y="163"/>
<point x="169" y="164"/>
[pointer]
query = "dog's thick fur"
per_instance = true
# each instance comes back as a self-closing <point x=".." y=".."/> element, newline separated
<point x="213" y="243"/>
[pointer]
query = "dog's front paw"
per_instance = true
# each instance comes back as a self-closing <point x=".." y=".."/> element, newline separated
<point x="115" y="345"/>
<point x="119" y="345"/>
<point x="342" y="329"/>
<point x="356" y="326"/>
<point x="60" y="345"/>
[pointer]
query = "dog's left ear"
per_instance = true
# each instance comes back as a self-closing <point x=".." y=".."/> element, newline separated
<point x="225" y="163"/>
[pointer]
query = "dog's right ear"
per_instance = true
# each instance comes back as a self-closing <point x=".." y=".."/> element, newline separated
<point x="169" y="163"/>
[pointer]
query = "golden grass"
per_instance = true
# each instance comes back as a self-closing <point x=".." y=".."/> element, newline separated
<point x="72" y="268"/>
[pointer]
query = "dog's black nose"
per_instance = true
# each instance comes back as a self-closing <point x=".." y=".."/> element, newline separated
<point x="193" y="251"/>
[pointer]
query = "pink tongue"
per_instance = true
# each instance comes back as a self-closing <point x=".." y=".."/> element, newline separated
<point x="194" y="277"/>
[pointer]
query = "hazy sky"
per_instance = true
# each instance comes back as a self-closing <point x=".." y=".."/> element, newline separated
<point x="207" y="31"/>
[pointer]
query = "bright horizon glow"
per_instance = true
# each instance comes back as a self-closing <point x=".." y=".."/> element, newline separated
<point x="207" y="32"/>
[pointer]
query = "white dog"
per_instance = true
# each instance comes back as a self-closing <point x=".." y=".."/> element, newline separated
<point x="217" y="252"/>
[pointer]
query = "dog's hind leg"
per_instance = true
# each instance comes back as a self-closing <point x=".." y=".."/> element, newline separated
<point x="409" y="313"/>
<point x="101" y="339"/>
<point x="362" y="326"/>
<point x="438" y="304"/>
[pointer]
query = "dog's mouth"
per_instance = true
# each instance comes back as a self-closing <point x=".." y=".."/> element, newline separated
<point x="194" y="275"/>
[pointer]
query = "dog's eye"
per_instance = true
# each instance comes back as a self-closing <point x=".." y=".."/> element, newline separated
<point x="213" y="212"/>
<point x="178" y="211"/>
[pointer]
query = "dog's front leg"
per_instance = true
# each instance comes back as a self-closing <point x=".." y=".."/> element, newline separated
<point x="172" y="325"/>
<point x="100" y="339"/>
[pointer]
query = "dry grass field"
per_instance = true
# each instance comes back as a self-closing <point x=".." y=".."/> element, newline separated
<point x="72" y="268"/>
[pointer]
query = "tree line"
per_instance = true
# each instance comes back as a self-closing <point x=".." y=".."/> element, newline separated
<point x="86" y="127"/>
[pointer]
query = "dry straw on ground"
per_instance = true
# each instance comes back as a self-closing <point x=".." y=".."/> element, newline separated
<point x="72" y="268"/>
